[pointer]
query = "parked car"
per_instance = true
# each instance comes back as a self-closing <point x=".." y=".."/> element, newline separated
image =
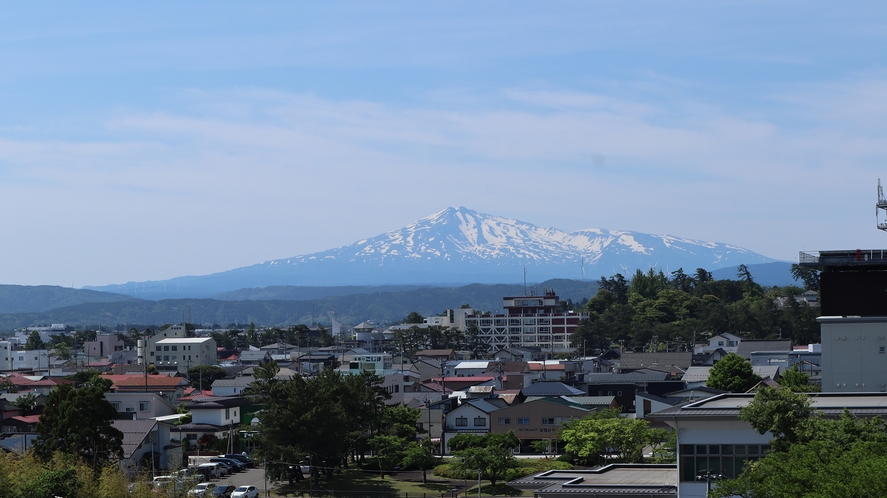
<point x="216" y="470"/>
<point x="239" y="464"/>
<point x="203" y="490"/>
<point x="241" y="458"/>
<point x="231" y="466"/>
<point x="223" y="491"/>
<point x="246" y="492"/>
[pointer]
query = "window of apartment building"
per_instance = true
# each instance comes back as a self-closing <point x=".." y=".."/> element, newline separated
<point x="159" y="348"/>
<point x="547" y="420"/>
<point x="881" y="350"/>
<point x="174" y="357"/>
<point x="461" y="422"/>
<point x="166" y="348"/>
<point x="523" y="421"/>
<point x="174" y="348"/>
<point x="144" y="406"/>
<point x="480" y="422"/>
<point x="227" y="413"/>
<point x="504" y="421"/>
<point x="166" y="357"/>
<point x="726" y="459"/>
<point x="116" y="405"/>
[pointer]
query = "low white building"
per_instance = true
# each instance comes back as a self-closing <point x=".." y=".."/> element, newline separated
<point x="712" y="438"/>
<point x="20" y="359"/>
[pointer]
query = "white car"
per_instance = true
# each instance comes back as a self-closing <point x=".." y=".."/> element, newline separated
<point x="204" y="489"/>
<point x="245" y="492"/>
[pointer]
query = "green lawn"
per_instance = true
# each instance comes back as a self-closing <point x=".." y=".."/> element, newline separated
<point x="355" y="482"/>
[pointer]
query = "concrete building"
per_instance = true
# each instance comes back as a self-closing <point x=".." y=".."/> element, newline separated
<point x="712" y="438"/>
<point x="20" y="359"/>
<point x="182" y="353"/>
<point x="172" y="331"/>
<point x="853" y="324"/>
<point x="103" y="346"/>
<point x="534" y="321"/>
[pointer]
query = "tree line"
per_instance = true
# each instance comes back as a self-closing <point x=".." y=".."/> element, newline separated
<point x="654" y="311"/>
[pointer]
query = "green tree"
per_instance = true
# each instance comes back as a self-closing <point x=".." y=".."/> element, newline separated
<point x="62" y="351"/>
<point x="389" y="451"/>
<point x="55" y="483"/>
<point x="732" y="373"/>
<point x="783" y="413"/>
<point x="809" y="276"/>
<point x="34" y="341"/>
<point x="77" y="421"/>
<point x="491" y="454"/>
<point x="414" y="317"/>
<point x="420" y="454"/>
<point x="601" y="434"/>
<point x="796" y="380"/>
<point x="203" y="376"/>
<point x="323" y="418"/>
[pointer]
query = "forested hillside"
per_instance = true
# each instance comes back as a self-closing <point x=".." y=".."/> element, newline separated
<point x="37" y="298"/>
<point x="379" y="307"/>
<point x="654" y="311"/>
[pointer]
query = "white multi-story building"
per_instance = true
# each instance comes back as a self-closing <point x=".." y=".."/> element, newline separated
<point x="534" y="321"/>
<point x="182" y="353"/>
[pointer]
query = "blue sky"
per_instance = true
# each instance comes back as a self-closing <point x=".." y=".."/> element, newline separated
<point x="157" y="140"/>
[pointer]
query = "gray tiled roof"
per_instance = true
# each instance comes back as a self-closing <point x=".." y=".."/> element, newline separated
<point x="134" y="432"/>
<point x="747" y="347"/>
<point x="550" y="389"/>
<point x="628" y="378"/>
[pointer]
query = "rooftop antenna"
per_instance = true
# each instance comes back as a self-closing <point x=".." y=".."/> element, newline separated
<point x="525" y="280"/>
<point x="882" y="204"/>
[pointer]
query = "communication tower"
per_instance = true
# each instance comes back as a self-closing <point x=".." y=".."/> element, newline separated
<point x="881" y="205"/>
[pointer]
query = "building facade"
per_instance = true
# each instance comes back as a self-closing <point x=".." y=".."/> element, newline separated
<point x="528" y="321"/>
<point x="183" y="353"/>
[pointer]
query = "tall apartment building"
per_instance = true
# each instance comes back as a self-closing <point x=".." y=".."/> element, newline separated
<point x="534" y="321"/>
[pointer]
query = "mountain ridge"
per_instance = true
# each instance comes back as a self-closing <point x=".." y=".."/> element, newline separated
<point x="457" y="246"/>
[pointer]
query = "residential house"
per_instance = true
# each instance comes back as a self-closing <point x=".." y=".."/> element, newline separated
<point x="231" y="387"/>
<point x="146" y="447"/>
<point x="140" y="405"/>
<point x="472" y="417"/>
<point x="214" y="415"/>
<point x="747" y="347"/>
<point x="536" y="420"/>
<point x="172" y="387"/>
<point x="671" y="363"/>
<point x="625" y="386"/>
<point x="727" y="341"/>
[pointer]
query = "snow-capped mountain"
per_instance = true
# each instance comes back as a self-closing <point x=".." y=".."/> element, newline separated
<point x="460" y="246"/>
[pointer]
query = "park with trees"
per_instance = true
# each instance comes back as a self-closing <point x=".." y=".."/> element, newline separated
<point x="656" y="312"/>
